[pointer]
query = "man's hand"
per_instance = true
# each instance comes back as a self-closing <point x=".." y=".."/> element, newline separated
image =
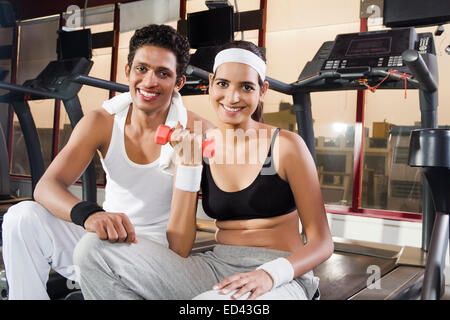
<point x="114" y="227"/>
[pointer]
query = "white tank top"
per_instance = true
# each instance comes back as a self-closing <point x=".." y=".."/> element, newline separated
<point x="142" y="191"/>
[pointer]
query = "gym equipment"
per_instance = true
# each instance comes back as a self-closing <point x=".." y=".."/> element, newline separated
<point x="430" y="149"/>
<point x="163" y="134"/>
<point x="51" y="83"/>
<point x="355" y="67"/>
<point x="363" y="60"/>
<point x="3" y="286"/>
<point x="4" y="161"/>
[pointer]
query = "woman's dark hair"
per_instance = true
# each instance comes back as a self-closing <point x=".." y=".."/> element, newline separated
<point x="164" y="37"/>
<point x="258" y="114"/>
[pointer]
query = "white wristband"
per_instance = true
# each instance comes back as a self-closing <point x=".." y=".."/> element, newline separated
<point x="280" y="270"/>
<point x="188" y="178"/>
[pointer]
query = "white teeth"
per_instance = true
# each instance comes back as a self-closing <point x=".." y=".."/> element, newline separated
<point x="231" y="109"/>
<point x="147" y="94"/>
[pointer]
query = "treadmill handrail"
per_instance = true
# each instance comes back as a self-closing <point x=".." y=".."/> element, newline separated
<point x="350" y="76"/>
<point x="100" y="83"/>
<point x="275" y="85"/>
<point x="26" y="90"/>
<point x="420" y="71"/>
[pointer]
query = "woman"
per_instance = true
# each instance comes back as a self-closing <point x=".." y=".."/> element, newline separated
<point x="256" y="204"/>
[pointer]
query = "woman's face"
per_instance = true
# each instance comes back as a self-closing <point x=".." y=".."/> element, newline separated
<point x="235" y="93"/>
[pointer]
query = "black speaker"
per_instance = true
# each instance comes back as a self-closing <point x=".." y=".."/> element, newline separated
<point x="211" y="27"/>
<point x="74" y="44"/>
<point x="7" y="16"/>
<point x="409" y="13"/>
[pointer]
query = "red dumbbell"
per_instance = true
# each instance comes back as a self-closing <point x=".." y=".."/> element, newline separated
<point x="163" y="134"/>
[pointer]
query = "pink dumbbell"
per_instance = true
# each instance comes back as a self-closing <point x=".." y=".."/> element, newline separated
<point x="163" y="134"/>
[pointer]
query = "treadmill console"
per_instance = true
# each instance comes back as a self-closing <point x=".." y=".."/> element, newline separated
<point x="53" y="77"/>
<point x="376" y="49"/>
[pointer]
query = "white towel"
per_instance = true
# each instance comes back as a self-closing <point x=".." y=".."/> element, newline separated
<point x="177" y="112"/>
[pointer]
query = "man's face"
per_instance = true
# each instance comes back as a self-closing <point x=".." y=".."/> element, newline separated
<point x="152" y="78"/>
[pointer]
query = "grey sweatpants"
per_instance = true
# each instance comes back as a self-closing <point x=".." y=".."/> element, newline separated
<point x="148" y="270"/>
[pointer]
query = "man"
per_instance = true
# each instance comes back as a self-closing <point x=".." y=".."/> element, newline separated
<point x="41" y="235"/>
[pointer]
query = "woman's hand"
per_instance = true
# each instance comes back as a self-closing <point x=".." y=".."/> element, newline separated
<point x="187" y="146"/>
<point x="256" y="282"/>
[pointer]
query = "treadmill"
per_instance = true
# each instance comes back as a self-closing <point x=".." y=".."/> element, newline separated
<point x="361" y="269"/>
<point x="349" y="63"/>
<point x="52" y="83"/>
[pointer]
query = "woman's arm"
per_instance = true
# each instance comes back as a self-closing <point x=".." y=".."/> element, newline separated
<point x="300" y="171"/>
<point x="181" y="229"/>
<point x="294" y="163"/>
<point x="182" y="226"/>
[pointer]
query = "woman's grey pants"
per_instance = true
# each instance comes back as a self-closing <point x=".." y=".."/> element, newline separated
<point x="148" y="270"/>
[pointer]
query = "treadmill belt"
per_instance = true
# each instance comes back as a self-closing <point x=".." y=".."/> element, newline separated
<point x="345" y="274"/>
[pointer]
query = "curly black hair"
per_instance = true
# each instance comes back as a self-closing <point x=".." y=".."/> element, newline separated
<point x="162" y="36"/>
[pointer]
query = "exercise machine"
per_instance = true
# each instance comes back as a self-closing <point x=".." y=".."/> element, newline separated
<point x="50" y="84"/>
<point x="430" y="149"/>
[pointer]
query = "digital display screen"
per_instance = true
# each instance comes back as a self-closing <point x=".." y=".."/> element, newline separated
<point x="369" y="46"/>
<point x="370" y="62"/>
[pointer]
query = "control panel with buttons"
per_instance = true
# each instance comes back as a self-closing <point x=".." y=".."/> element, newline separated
<point x="377" y="50"/>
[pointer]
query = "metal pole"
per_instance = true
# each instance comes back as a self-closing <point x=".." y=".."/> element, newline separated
<point x="302" y="108"/>
<point x="31" y="137"/>
<point x="433" y="277"/>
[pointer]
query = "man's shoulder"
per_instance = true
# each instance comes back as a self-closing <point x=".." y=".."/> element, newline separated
<point x="98" y="117"/>
<point x="192" y="117"/>
<point x="96" y="124"/>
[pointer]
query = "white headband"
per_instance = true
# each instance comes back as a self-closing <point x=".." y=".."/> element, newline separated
<point x="241" y="56"/>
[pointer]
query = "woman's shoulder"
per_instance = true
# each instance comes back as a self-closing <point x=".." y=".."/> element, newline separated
<point x="291" y="146"/>
<point x="290" y="139"/>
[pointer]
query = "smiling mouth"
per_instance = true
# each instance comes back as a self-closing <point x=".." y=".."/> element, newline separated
<point x="232" y="109"/>
<point x="148" y="95"/>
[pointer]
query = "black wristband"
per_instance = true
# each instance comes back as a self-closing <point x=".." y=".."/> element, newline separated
<point x="82" y="210"/>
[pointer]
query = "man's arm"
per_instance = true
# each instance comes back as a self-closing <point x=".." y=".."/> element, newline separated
<point x="91" y="133"/>
<point x="52" y="189"/>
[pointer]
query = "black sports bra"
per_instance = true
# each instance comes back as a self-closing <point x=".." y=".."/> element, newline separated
<point x="267" y="196"/>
